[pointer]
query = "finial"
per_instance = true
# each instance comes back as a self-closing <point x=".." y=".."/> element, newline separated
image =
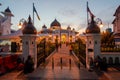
<point x="29" y="20"/>
<point x="92" y="18"/>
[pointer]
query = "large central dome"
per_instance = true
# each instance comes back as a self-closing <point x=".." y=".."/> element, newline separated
<point x="55" y="23"/>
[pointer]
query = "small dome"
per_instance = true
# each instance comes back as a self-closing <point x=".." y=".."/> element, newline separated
<point x="55" y="23"/>
<point x="68" y="27"/>
<point x="29" y="28"/>
<point x="92" y="27"/>
<point x="7" y="10"/>
<point x="73" y="29"/>
<point x="44" y="26"/>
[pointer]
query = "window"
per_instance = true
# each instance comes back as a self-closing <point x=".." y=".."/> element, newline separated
<point x="32" y="42"/>
<point x="26" y="43"/>
<point x="90" y="42"/>
<point x="95" y="42"/>
<point x="90" y="50"/>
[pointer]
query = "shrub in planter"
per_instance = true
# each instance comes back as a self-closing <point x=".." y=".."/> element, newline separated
<point x="29" y="65"/>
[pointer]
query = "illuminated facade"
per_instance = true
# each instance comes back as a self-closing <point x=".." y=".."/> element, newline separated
<point x="55" y="32"/>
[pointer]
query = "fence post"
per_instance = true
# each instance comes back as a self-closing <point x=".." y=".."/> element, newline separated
<point x="61" y="62"/>
<point x="70" y="64"/>
<point x="52" y="63"/>
<point x="79" y="65"/>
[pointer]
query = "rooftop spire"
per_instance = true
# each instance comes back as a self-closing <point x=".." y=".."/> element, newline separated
<point x="29" y="20"/>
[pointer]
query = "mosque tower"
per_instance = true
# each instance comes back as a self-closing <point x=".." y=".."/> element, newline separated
<point x="6" y="22"/>
<point x="29" y="46"/>
<point x="93" y="41"/>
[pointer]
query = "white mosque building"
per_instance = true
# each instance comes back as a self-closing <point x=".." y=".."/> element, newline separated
<point x="5" y="22"/>
<point x="56" y="32"/>
<point x="53" y="33"/>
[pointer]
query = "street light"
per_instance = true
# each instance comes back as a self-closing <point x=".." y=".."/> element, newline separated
<point x="99" y="22"/>
<point x="19" y="25"/>
<point x="22" y="23"/>
<point x="44" y="49"/>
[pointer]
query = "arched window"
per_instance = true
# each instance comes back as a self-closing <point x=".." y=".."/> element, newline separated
<point x="104" y="59"/>
<point x="110" y="60"/>
<point x="95" y="42"/>
<point x="116" y="60"/>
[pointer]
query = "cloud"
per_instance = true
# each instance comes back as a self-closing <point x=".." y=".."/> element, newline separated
<point x="80" y="27"/>
<point x="68" y="12"/>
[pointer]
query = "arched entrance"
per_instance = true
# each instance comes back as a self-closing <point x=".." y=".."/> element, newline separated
<point x="63" y="38"/>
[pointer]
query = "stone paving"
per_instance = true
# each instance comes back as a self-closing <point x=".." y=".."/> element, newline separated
<point x="113" y="74"/>
<point x="47" y="73"/>
<point x="62" y="74"/>
<point x="10" y="76"/>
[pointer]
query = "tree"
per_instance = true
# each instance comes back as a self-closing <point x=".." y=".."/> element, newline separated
<point x="107" y="39"/>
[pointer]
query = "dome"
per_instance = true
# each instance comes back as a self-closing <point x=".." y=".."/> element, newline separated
<point x="44" y="26"/>
<point x="29" y="28"/>
<point x="92" y="27"/>
<point x="55" y="23"/>
<point x="68" y="27"/>
<point x="7" y="10"/>
<point x="73" y="29"/>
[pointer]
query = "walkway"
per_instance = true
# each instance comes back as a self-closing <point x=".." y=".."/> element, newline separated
<point x="65" y="73"/>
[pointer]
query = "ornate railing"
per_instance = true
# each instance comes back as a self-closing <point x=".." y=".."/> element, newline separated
<point x="110" y="48"/>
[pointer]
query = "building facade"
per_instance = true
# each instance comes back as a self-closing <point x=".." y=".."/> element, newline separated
<point x="116" y="25"/>
<point x="5" y="22"/>
<point x="56" y="32"/>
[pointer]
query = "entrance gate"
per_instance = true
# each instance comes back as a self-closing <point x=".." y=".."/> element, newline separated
<point x="64" y="38"/>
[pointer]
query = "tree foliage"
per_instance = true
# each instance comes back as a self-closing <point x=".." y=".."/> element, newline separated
<point x="107" y="39"/>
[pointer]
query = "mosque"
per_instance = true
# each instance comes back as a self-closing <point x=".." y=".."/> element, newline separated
<point x="26" y="37"/>
<point x="55" y="32"/>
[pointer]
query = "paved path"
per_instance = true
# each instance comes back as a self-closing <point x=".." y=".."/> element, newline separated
<point x="62" y="74"/>
<point x="47" y="73"/>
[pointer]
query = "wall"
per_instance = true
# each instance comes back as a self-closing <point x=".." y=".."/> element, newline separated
<point x="111" y="57"/>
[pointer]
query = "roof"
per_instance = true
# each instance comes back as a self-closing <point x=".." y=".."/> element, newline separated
<point x="114" y="21"/>
<point x="7" y="10"/>
<point x="14" y="35"/>
<point x="68" y="27"/>
<point x="44" y="26"/>
<point x="46" y="31"/>
<point x="92" y="27"/>
<point x="29" y="28"/>
<point x="55" y="23"/>
<point x="116" y="10"/>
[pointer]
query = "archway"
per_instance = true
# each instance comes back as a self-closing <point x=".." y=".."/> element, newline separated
<point x="110" y="60"/>
<point x="116" y="60"/>
<point x="64" y="38"/>
<point x="104" y="59"/>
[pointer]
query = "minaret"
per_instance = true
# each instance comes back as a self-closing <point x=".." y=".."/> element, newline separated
<point x="69" y="30"/>
<point x="93" y="41"/>
<point x="29" y="46"/>
<point x="7" y="17"/>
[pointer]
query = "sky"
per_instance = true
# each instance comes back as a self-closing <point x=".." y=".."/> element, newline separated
<point x="68" y="12"/>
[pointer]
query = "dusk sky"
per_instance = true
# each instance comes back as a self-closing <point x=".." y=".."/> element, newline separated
<point x="67" y="12"/>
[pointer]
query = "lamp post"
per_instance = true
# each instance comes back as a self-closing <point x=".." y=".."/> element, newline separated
<point x="44" y="49"/>
<point x="99" y="22"/>
<point x="60" y="37"/>
<point x="79" y="47"/>
<point x="22" y="23"/>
